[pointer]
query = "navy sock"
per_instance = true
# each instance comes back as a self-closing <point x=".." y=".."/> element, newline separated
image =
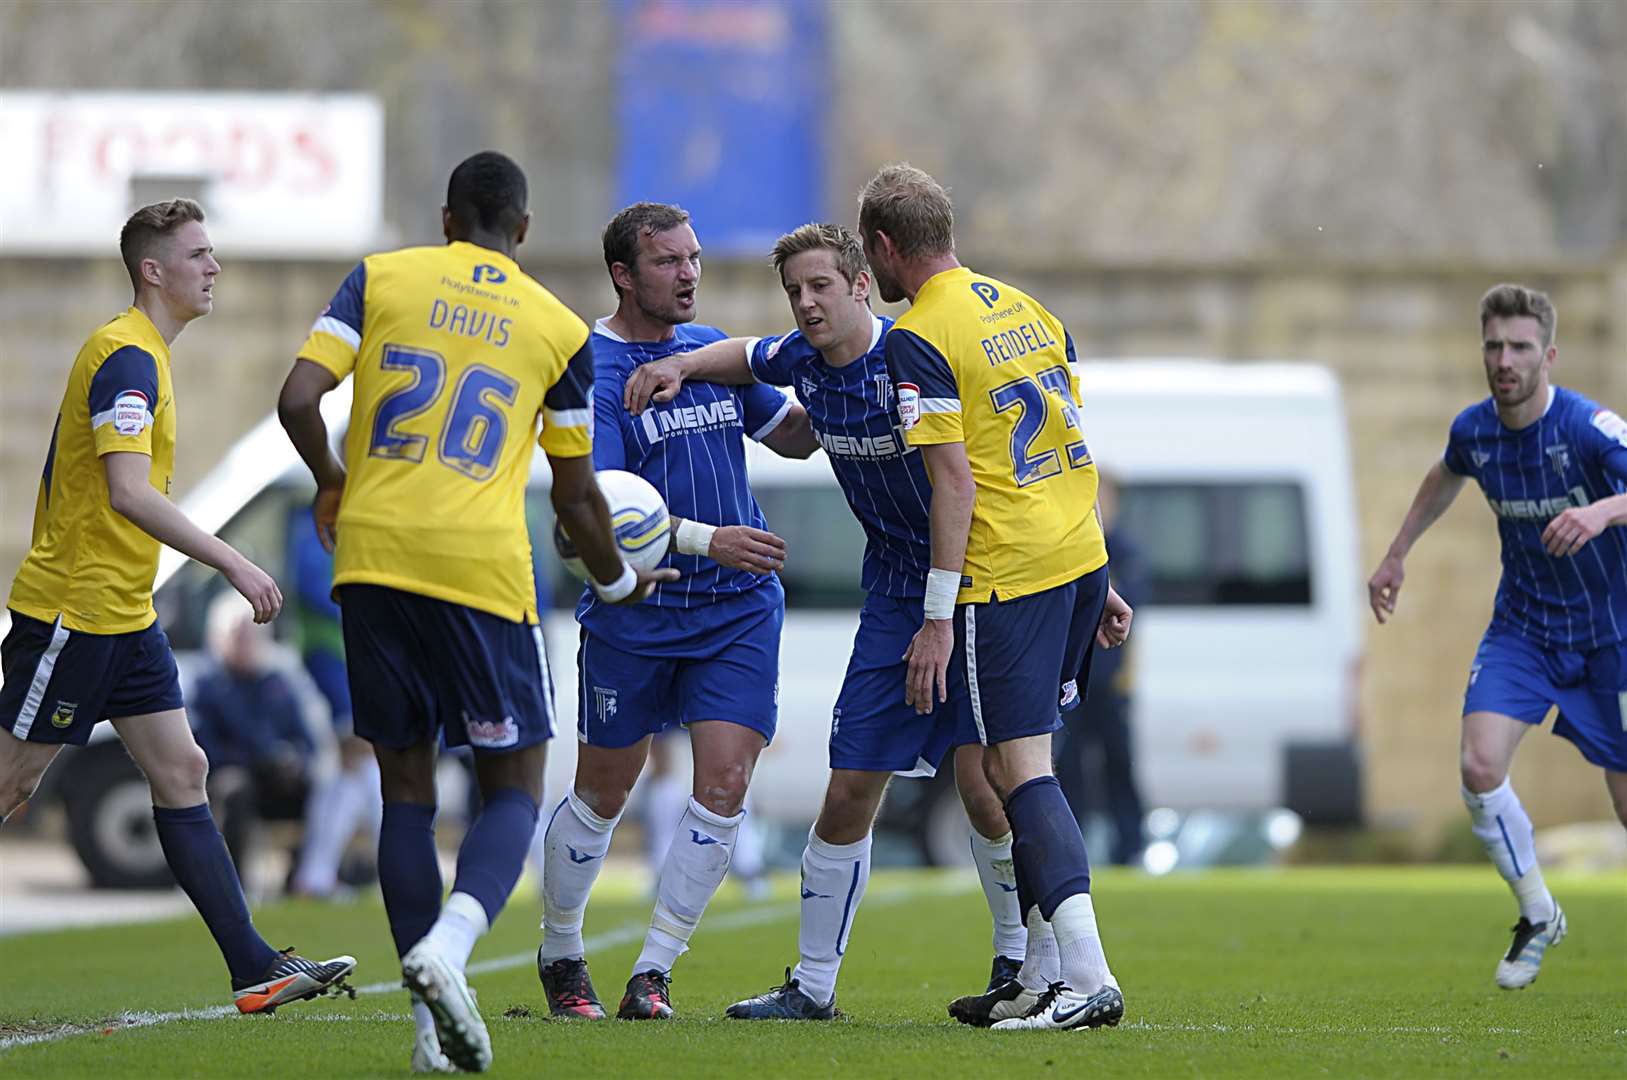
<point x="494" y="850"/>
<point x="1046" y="846"/>
<point x="409" y="871"/>
<point x="197" y="857"/>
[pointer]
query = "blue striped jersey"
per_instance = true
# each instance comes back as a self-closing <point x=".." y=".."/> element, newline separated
<point x="1574" y="455"/>
<point x="692" y="449"/>
<point x="854" y="414"/>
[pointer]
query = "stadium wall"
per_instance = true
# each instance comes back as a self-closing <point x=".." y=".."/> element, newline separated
<point x="1401" y="336"/>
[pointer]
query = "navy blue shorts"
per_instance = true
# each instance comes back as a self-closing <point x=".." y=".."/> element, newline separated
<point x="871" y="728"/>
<point x="420" y="667"/>
<point x="60" y="682"/>
<point x="1026" y="660"/>
<point x="623" y="696"/>
<point x="1516" y="677"/>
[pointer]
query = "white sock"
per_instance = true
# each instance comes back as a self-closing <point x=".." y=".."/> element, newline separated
<point x="575" y="847"/>
<point x="1042" y="964"/>
<point x="833" y="881"/>
<point x="696" y="862"/>
<point x="422" y="1018"/>
<point x="318" y="871"/>
<point x="1504" y="828"/>
<point x="748" y="863"/>
<point x="461" y="923"/>
<point x="665" y="800"/>
<point x="999" y="878"/>
<point x="1084" y="964"/>
<point x="348" y="798"/>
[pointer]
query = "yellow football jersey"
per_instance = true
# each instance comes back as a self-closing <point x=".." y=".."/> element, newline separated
<point x="88" y="563"/>
<point x="457" y="355"/>
<point x="978" y="361"/>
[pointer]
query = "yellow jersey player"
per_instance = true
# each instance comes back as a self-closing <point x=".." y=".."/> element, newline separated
<point x="1017" y="595"/>
<point x="85" y="644"/>
<point x="458" y="356"/>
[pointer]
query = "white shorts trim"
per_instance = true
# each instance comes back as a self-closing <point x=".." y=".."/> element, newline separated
<point x="42" y="678"/>
<point x="971" y="673"/>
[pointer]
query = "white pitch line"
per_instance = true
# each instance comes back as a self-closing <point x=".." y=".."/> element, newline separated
<point x="625" y="934"/>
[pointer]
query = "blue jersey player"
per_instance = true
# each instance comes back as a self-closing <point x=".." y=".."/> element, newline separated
<point x="1553" y="467"/>
<point x="702" y="652"/>
<point x="835" y="358"/>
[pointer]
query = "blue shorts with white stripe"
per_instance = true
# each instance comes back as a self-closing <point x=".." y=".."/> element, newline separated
<point x="420" y="666"/>
<point x="1026" y="660"/>
<point x="1516" y="677"/>
<point x="60" y="682"/>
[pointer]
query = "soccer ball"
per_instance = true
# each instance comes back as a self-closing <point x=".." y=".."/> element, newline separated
<point x="638" y="515"/>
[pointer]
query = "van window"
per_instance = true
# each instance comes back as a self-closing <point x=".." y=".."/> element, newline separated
<point x="1220" y="544"/>
<point x="826" y="556"/>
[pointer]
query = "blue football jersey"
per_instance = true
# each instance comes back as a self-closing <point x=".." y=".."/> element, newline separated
<point x="1574" y="455"/>
<point x="855" y="418"/>
<point x="691" y="448"/>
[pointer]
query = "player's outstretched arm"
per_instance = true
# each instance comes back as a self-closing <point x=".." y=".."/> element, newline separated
<point x="1570" y="531"/>
<point x="739" y="547"/>
<point x="299" y="407"/>
<point x="1441" y="485"/>
<point x="131" y="494"/>
<point x="793" y="437"/>
<point x="582" y="511"/>
<point x="720" y="362"/>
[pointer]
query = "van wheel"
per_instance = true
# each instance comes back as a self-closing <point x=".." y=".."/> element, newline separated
<point x="945" y="836"/>
<point x="110" y="821"/>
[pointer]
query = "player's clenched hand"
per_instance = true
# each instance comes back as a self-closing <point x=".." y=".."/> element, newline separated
<point x="257" y="587"/>
<point x="661" y="379"/>
<point x="1569" y="532"/>
<point x="647" y="581"/>
<point x="1384" y="587"/>
<point x="1114" y="628"/>
<point x="742" y="547"/>
<point x="927" y="679"/>
<point x="325" y="510"/>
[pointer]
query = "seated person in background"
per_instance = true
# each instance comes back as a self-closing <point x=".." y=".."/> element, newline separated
<point x="253" y="718"/>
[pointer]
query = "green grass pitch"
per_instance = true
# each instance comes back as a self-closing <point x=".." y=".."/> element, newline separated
<point x="1347" y="972"/>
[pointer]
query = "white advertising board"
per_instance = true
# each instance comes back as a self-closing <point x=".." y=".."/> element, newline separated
<point x="278" y="174"/>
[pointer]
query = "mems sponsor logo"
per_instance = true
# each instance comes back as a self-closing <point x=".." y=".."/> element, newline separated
<point x="689" y="420"/>
<point x="1537" y="509"/>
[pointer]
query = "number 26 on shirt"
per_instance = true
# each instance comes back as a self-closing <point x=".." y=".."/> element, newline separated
<point x="472" y="436"/>
<point x="1031" y="396"/>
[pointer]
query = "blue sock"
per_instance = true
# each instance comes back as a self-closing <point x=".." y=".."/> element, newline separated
<point x="197" y="857"/>
<point x="409" y="871"/>
<point x="494" y="849"/>
<point x="1047" y="849"/>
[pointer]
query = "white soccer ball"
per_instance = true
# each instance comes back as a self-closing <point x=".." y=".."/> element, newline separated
<point x="638" y="515"/>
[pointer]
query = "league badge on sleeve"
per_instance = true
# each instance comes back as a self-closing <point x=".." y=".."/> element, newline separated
<point x="1611" y="424"/>
<point x="909" y="404"/>
<point x="130" y="412"/>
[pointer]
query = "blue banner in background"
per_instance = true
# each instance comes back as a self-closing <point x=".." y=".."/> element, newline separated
<point x="719" y="110"/>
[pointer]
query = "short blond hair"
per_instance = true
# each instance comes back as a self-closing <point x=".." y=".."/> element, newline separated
<point x="150" y="226"/>
<point x="836" y="239"/>
<point x="1508" y="301"/>
<point x="911" y="208"/>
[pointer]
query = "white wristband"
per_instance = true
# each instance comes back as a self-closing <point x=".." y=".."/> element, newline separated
<point x="694" y="538"/>
<point x="620" y="588"/>
<point x="942" y="586"/>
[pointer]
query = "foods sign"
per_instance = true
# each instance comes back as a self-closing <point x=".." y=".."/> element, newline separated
<point x="278" y="174"/>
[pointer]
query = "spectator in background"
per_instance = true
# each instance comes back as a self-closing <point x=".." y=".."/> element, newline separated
<point x="345" y="797"/>
<point x="1094" y="759"/>
<point x="257" y="723"/>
